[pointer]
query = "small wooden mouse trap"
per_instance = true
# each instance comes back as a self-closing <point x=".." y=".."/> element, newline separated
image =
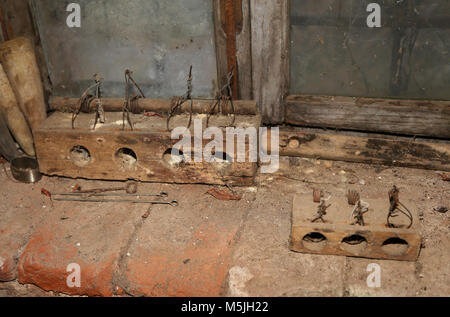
<point x="144" y="154"/>
<point x="131" y="138"/>
<point x="354" y="226"/>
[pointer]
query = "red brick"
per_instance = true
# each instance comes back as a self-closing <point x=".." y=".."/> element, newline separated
<point x="21" y="210"/>
<point x="102" y="234"/>
<point x="196" y="270"/>
<point x="7" y="267"/>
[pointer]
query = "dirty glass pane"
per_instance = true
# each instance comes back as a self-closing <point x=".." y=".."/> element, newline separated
<point x="334" y="52"/>
<point x="157" y="39"/>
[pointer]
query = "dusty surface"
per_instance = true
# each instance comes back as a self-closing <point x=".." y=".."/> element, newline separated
<point x="228" y="248"/>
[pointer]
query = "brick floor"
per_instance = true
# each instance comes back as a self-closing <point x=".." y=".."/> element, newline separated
<point x="207" y="247"/>
<point x="19" y="215"/>
<point x="184" y="251"/>
<point x="91" y="236"/>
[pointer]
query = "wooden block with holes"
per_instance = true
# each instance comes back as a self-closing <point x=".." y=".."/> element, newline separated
<point x="144" y="154"/>
<point x="337" y="236"/>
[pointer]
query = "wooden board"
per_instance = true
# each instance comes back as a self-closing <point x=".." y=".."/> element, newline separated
<point x="150" y="141"/>
<point x="243" y="46"/>
<point x="270" y="56"/>
<point x="376" y="240"/>
<point x="365" y="148"/>
<point x="406" y="117"/>
<point x="242" y="107"/>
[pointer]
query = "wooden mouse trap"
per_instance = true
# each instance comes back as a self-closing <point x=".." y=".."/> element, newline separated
<point x="111" y="152"/>
<point x="355" y="226"/>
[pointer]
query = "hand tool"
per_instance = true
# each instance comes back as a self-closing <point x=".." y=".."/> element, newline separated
<point x="161" y="194"/>
<point x="129" y="188"/>
<point x="172" y="203"/>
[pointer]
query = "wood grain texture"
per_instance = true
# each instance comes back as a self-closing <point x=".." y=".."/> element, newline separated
<point x="365" y="148"/>
<point x="242" y="107"/>
<point x="243" y="48"/>
<point x="19" y="62"/>
<point x="406" y="117"/>
<point x="150" y="142"/>
<point x="7" y="145"/>
<point x="270" y="57"/>
<point x="338" y="227"/>
<point x="20" y="21"/>
<point x="14" y="117"/>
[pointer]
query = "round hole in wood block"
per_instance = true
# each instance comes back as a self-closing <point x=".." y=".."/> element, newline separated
<point x="294" y="143"/>
<point x="126" y="159"/>
<point x="221" y="157"/>
<point x="395" y="246"/>
<point x="80" y="156"/>
<point x="314" y="241"/>
<point x="355" y="244"/>
<point x="173" y="157"/>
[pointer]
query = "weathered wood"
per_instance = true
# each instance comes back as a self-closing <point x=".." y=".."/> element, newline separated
<point x="14" y="117"/>
<point x="7" y="146"/>
<point x="407" y="117"/>
<point x="242" y="107"/>
<point x="20" y="23"/>
<point x="270" y="56"/>
<point x="19" y="62"/>
<point x="243" y="47"/>
<point x="374" y="240"/>
<point x="100" y="156"/>
<point x="365" y="148"/>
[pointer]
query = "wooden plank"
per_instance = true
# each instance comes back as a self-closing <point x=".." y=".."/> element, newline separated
<point x="99" y="155"/>
<point x="374" y="240"/>
<point x="405" y="117"/>
<point x="243" y="46"/>
<point x="270" y="56"/>
<point x="20" y="23"/>
<point x="242" y="107"/>
<point x="365" y="148"/>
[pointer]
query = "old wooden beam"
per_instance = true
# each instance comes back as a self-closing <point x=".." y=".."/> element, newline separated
<point x="242" y="107"/>
<point x="242" y="42"/>
<point x="406" y="117"/>
<point x="364" y="148"/>
<point x="270" y="55"/>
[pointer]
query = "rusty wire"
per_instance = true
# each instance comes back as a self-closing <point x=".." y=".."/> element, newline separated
<point x="358" y="212"/>
<point x="178" y="102"/>
<point x="131" y="102"/>
<point x="322" y="210"/>
<point x="86" y="99"/>
<point x="361" y="207"/>
<point x="222" y="96"/>
<point x="394" y="208"/>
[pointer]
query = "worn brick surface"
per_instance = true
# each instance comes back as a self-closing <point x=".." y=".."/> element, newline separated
<point x="207" y="247"/>
<point x="91" y="235"/>
<point x="184" y="251"/>
<point x="21" y="210"/>
<point x="262" y="263"/>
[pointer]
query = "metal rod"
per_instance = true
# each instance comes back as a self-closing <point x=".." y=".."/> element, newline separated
<point x="162" y="194"/>
<point x="172" y="203"/>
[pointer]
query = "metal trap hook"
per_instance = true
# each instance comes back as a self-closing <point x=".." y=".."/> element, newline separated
<point x="222" y="96"/>
<point x="178" y="102"/>
<point x="394" y="208"/>
<point x="86" y="99"/>
<point x="131" y="102"/>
